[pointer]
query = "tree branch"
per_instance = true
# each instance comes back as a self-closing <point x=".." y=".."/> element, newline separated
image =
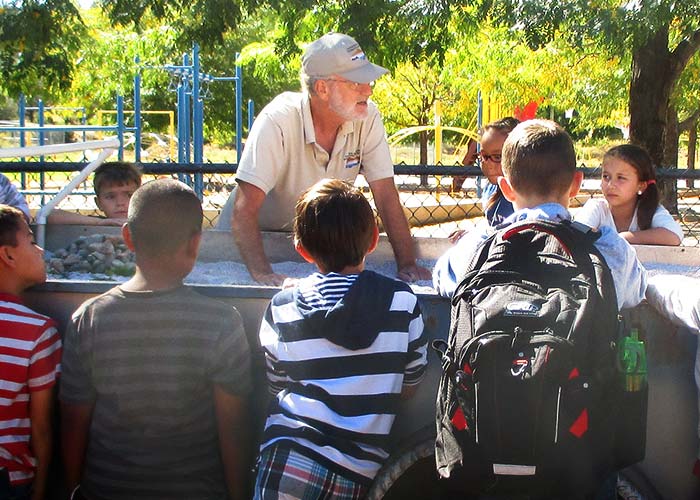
<point x="689" y="122"/>
<point x="685" y="50"/>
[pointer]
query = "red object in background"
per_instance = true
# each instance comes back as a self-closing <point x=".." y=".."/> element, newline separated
<point x="526" y="113"/>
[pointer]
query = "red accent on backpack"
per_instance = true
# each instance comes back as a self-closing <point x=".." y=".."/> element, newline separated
<point x="574" y="373"/>
<point x="580" y="425"/>
<point x="459" y="421"/>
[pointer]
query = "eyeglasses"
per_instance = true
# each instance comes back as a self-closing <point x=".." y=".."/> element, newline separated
<point x="353" y="85"/>
<point x="493" y="158"/>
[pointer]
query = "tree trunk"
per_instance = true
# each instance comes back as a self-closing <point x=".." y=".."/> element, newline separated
<point x="669" y="187"/>
<point x="692" y="145"/>
<point x="423" y="148"/>
<point x="690" y="125"/>
<point x="671" y="138"/>
<point x="655" y="72"/>
<point x="653" y="80"/>
<point x="650" y="93"/>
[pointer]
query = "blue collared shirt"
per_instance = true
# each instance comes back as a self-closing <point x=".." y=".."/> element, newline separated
<point x="628" y="273"/>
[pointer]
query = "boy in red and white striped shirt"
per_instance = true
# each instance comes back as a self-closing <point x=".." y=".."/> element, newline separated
<point x="30" y="354"/>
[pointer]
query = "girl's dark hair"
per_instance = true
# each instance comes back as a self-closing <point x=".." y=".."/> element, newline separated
<point x="639" y="159"/>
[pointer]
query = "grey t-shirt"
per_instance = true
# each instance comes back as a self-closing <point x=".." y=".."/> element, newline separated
<point x="148" y="362"/>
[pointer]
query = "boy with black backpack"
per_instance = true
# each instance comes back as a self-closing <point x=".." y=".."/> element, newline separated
<point x="531" y="402"/>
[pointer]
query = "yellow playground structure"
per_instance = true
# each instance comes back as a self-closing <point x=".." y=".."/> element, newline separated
<point x="488" y="109"/>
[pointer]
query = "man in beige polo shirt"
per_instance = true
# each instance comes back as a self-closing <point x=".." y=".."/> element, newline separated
<point x="330" y="129"/>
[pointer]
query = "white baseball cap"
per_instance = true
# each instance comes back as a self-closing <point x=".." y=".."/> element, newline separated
<point x="339" y="54"/>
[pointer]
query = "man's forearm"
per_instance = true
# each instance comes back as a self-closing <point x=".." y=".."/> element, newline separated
<point x="248" y="238"/>
<point x="388" y="204"/>
<point x="400" y="239"/>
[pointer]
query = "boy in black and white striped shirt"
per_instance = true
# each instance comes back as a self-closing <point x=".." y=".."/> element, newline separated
<point x="342" y="346"/>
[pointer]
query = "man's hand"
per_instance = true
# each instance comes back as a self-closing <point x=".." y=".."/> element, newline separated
<point x="414" y="273"/>
<point x="269" y="279"/>
<point x="290" y="282"/>
<point x="110" y="222"/>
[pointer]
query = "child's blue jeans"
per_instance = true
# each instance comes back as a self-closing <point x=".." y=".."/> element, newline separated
<point x="9" y="492"/>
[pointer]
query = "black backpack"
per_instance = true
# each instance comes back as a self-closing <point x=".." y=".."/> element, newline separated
<point x="531" y="399"/>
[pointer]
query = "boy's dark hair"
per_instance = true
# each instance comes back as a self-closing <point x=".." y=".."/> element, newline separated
<point x="505" y="125"/>
<point x="335" y="224"/>
<point x="539" y="158"/>
<point x="163" y="215"/>
<point x="11" y="220"/>
<point x="638" y="158"/>
<point x="116" y="172"/>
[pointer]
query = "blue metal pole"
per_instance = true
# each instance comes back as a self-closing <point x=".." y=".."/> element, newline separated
<point x="196" y="108"/>
<point x="181" y="124"/>
<point x="22" y="142"/>
<point x="180" y="121"/>
<point x="42" y="175"/>
<point x="137" y="111"/>
<point x="239" y="111"/>
<point x="187" y="114"/>
<point x="198" y="120"/>
<point x="120" y="126"/>
<point x="251" y="113"/>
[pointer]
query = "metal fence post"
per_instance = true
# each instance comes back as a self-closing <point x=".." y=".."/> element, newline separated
<point x="41" y="118"/>
<point x="120" y="126"/>
<point x="197" y="120"/>
<point x="137" y="111"/>
<point x="239" y="111"/>
<point x="22" y="142"/>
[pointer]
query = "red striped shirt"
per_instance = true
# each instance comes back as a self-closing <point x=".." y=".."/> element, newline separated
<point x="30" y="357"/>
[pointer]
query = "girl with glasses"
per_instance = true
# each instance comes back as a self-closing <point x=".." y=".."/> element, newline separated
<point x="496" y="207"/>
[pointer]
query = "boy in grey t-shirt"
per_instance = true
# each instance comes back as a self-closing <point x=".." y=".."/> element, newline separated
<point x="155" y="379"/>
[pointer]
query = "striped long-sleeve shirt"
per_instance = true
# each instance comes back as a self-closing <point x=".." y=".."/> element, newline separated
<point x="10" y="196"/>
<point x="30" y="355"/>
<point x="339" y="350"/>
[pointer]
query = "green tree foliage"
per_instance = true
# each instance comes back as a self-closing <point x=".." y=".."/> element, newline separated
<point x="106" y="66"/>
<point x="658" y="37"/>
<point x="206" y="21"/>
<point x="38" y="42"/>
<point x="264" y="74"/>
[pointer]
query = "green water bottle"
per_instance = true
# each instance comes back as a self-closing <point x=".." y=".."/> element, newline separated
<point x="633" y="362"/>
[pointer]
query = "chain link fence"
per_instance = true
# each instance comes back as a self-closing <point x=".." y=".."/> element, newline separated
<point x="437" y="199"/>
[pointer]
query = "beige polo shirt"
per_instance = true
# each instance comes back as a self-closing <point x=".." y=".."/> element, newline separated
<point x="281" y="157"/>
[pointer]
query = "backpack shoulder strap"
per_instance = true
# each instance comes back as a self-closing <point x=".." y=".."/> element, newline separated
<point x="477" y="261"/>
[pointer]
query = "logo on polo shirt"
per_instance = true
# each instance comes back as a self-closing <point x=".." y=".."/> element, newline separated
<point x="352" y="160"/>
